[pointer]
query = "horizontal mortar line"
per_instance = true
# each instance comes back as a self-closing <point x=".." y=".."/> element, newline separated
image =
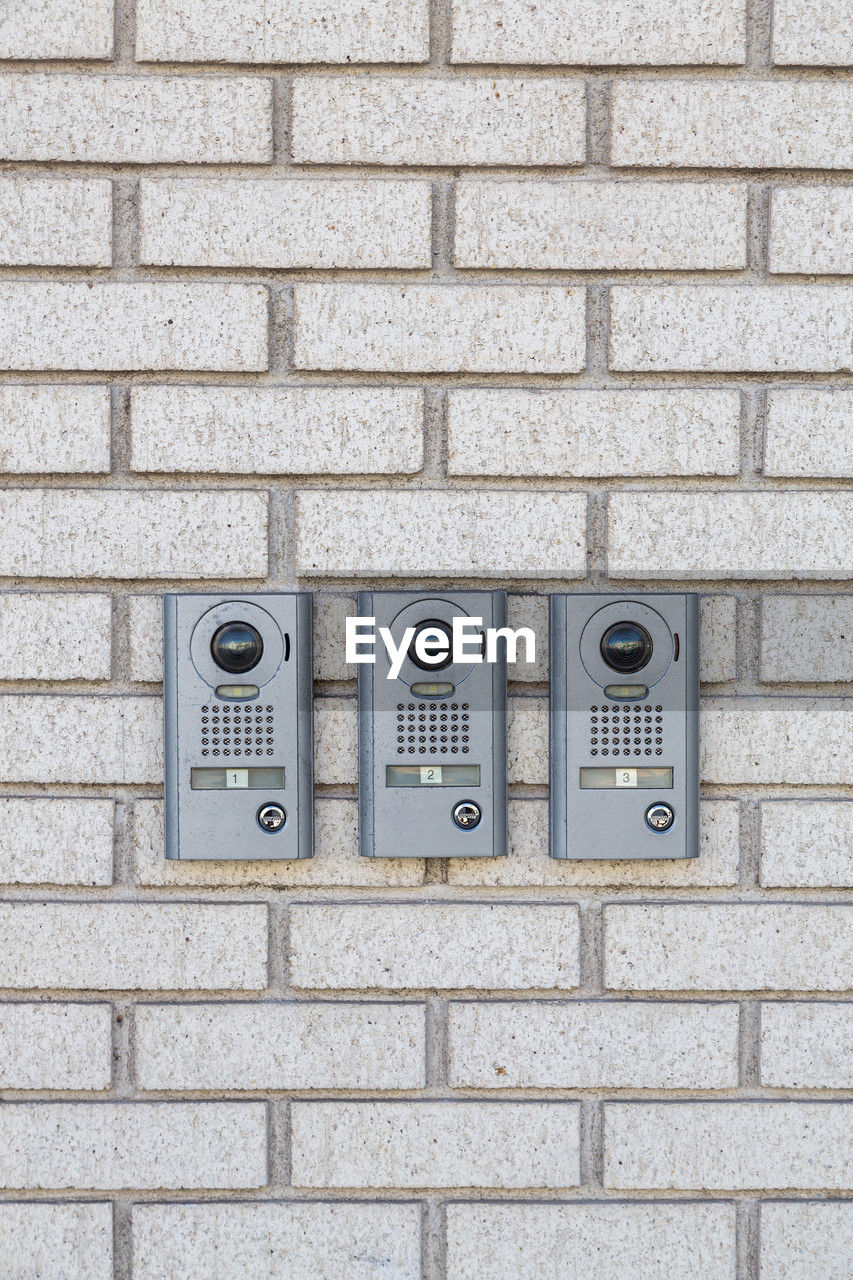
<point x="523" y="276"/>
<point x="438" y="1094"/>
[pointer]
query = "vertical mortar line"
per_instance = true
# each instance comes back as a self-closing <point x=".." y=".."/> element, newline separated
<point x="434" y="1240"/>
<point x="596" y="539"/>
<point x="281" y="558"/>
<point x="122" y="1239"/>
<point x="124" y="33"/>
<point x="598" y="124"/>
<point x="440" y="27"/>
<point x="747" y="1239"/>
<point x="750" y="843"/>
<point x="759" y="34"/>
<point x="123" y="853"/>
<point x="591" y="1155"/>
<point x="747" y="643"/>
<point x="749" y="1075"/>
<point x="282" y="122"/>
<point x="436" y="1042"/>
<point x="279" y="1145"/>
<point x="123" y="1084"/>
<point x="279" y="950"/>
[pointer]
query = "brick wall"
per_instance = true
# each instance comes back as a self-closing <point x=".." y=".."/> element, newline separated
<point x="545" y="295"/>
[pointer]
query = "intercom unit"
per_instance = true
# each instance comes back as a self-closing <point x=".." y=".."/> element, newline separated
<point x="624" y="726"/>
<point x="432" y="737"/>
<point x="238" y="726"/>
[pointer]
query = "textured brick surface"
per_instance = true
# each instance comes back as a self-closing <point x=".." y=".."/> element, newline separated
<point x="268" y="1241"/>
<point x="809" y="432"/>
<point x="592" y="31"/>
<point x="135" y="119"/>
<point x="427" y="327"/>
<point x="41" y="1241"/>
<point x="52" y="429"/>
<point x="599" y="433"/>
<point x="730" y="124"/>
<point x="380" y="120"/>
<point x="56" y="841"/>
<point x="68" y="636"/>
<point x="590" y="1242"/>
<point x="806" y="843"/>
<point x="282" y="31"/>
<point x="729" y="535"/>
<point x="55" y="1046"/>
<point x="613" y="226"/>
<point x="61" y="533"/>
<point x="728" y="947"/>
<point x="780" y="328"/>
<point x="57" y="29"/>
<point x="47" y="223"/>
<point x="820" y="35"/>
<point x="794" y="740"/>
<point x="132" y="326"/>
<point x="806" y="1241"/>
<point x="806" y="638"/>
<point x="811" y="230"/>
<point x="347" y="223"/>
<point x="487" y="535"/>
<point x="280" y="1046"/>
<point x="112" y="946"/>
<point x="453" y="946"/>
<point x="807" y="1046"/>
<point x="586" y="1045"/>
<point x="331" y="430"/>
<point x="727" y="1145"/>
<point x="114" y="739"/>
<point x="435" y="1144"/>
<point x="104" y="1145"/>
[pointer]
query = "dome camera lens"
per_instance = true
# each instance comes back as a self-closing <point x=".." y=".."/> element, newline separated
<point x="439" y="652"/>
<point x="237" y="647"/>
<point x="626" y="647"/>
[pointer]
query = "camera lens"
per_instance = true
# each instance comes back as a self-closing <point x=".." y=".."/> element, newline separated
<point x="443" y="658"/>
<point x="237" y="647"/>
<point x="626" y="646"/>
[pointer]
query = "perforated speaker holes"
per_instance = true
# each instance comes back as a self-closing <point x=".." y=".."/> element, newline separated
<point x="237" y="729"/>
<point x="432" y="728"/>
<point x="626" y="729"/>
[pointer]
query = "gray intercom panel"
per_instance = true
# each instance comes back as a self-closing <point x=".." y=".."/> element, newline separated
<point x="624" y="726"/>
<point x="238" y="726"/>
<point x="432" y="741"/>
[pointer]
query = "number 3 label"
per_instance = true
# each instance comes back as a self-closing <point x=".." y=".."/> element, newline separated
<point x="626" y="777"/>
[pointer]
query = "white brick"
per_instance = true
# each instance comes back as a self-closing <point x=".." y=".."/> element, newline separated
<point x="145" y="638"/>
<point x="811" y="230"/>
<point x="717" y="638"/>
<point x="442" y="328"/>
<point x="528" y="862"/>
<point x="55" y="1046"/>
<point x="726" y="1145"/>
<point x="335" y="740"/>
<point x="379" y="120"/>
<point x="136" y="119"/>
<point x="807" y="843"/>
<point x="47" y="429"/>
<point x="728" y="947"/>
<point x="435" y="1144"/>
<point x="67" y="533"/>
<point x="133" y="946"/>
<point x="43" y="1241"/>
<point x="44" y="738"/>
<point x="276" y="430"/>
<point x="280" y="1046"/>
<point x="590" y="1241"/>
<point x="345" y="223"/>
<point x="807" y="1046"/>
<point x="336" y="858"/>
<point x="282" y="31"/>
<point x="809" y="432"/>
<point x="594" y="226"/>
<point x="68" y="637"/>
<point x="452" y="945"/>
<point x="590" y="1045"/>
<point x="646" y="32"/>
<point x="775" y="740"/>
<point x="806" y="1241"/>
<point x="330" y="614"/>
<point x="729" y="535"/>
<point x="178" y="1145"/>
<point x="53" y="841"/>
<point x="819" y="34"/>
<point x="270" y="1241"/>
<point x="593" y="433"/>
<point x="730" y="328"/>
<point x="132" y="326"/>
<point x="45" y="222"/>
<point x="732" y="124"/>
<point x="423" y="532"/>
<point x="806" y="637"/>
<point x="57" y="29"/>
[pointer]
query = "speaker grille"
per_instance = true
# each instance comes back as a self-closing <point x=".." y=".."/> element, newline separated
<point x="237" y="729"/>
<point x="626" y="730"/>
<point x="432" y="728"/>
